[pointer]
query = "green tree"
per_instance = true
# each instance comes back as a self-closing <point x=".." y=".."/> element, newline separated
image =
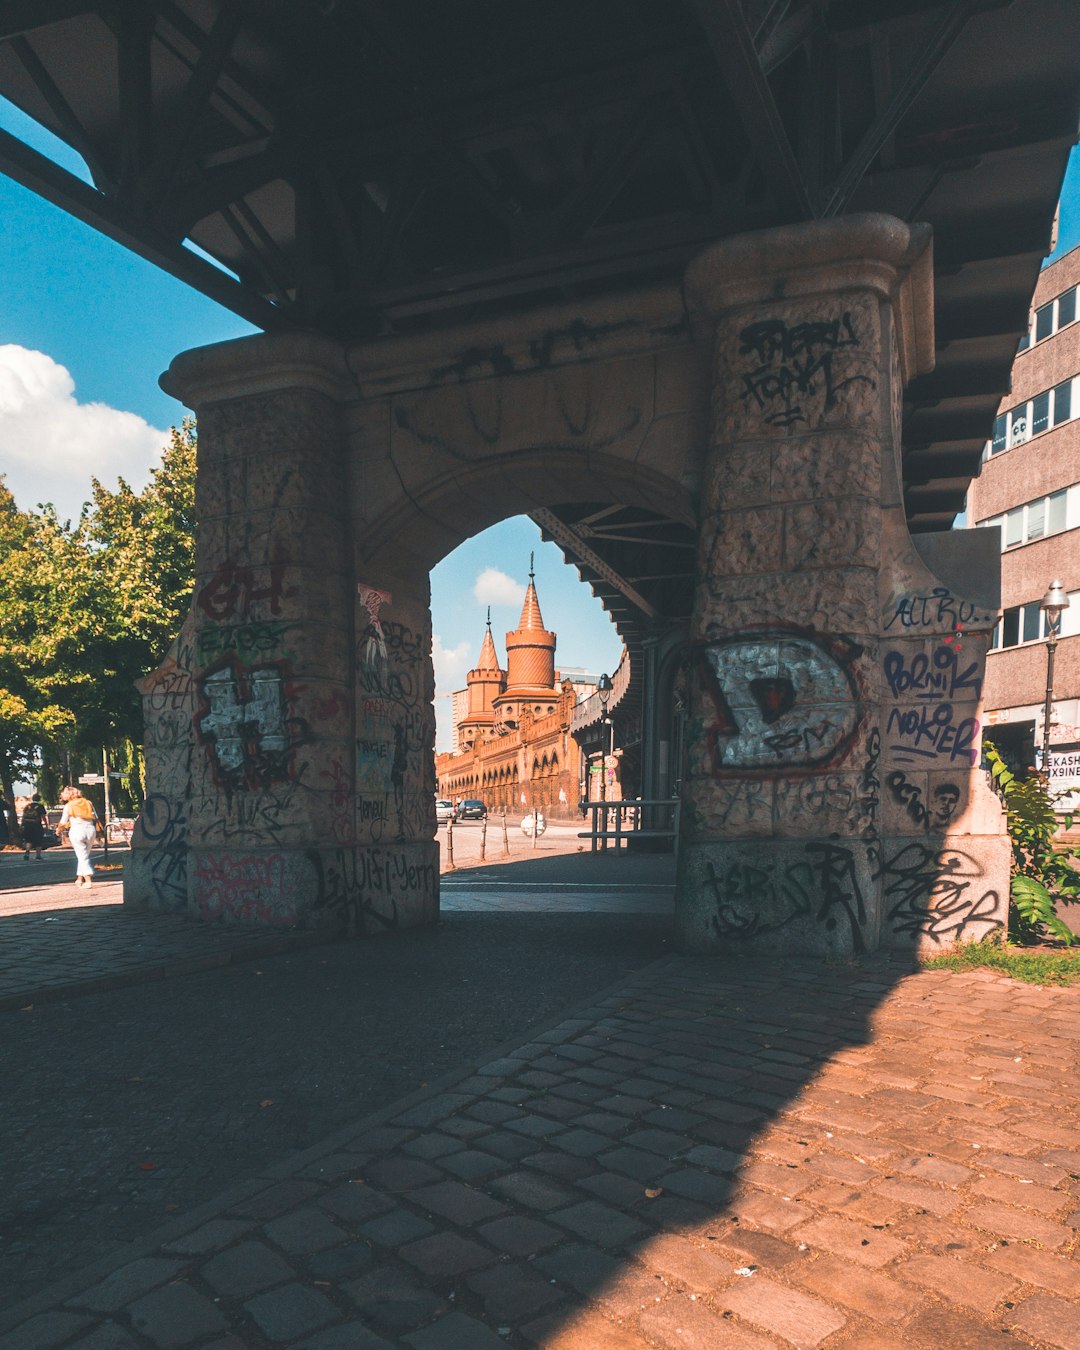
<point x="35" y="552"/>
<point x="86" y="610"/>
<point x="142" y="546"/>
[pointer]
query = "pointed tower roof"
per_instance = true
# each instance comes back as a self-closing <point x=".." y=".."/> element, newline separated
<point x="488" y="658"/>
<point x="530" y="610"/>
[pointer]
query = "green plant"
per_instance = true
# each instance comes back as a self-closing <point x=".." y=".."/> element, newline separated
<point x="1042" y="877"/>
<point x="1034" y="967"/>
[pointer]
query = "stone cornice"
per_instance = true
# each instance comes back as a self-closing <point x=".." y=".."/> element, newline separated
<point x="517" y="344"/>
<point x="858" y="252"/>
<point x="262" y="364"/>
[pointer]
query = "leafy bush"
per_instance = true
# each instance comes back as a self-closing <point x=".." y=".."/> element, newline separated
<point x="1042" y="877"/>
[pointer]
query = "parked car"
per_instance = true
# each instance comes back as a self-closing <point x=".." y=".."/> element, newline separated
<point x="445" y="811"/>
<point x="52" y="829"/>
<point x="471" y="809"/>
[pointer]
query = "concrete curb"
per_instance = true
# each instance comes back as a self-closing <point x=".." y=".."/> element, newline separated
<point x="59" y="1291"/>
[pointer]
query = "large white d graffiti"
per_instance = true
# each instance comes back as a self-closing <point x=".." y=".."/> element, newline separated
<point x="782" y="702"/>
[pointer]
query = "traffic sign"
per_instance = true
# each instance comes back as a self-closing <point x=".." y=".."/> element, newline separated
<point x="91" y="778"/>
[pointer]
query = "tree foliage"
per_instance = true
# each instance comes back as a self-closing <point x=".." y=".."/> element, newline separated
<point x="88" y="608"/>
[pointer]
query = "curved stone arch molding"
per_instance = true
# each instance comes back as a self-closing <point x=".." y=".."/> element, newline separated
<point x="453" y="506"/>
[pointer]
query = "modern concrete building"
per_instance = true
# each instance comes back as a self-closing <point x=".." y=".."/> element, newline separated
<point x="1030" y="488"/>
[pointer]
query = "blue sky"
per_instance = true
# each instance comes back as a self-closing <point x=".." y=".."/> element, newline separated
<point x="86" y="328"/>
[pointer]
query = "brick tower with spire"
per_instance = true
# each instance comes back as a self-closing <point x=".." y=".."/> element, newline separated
<point x="514" y="748"/>
<point x="530" y="689"/>
<point x="485" y="684"/>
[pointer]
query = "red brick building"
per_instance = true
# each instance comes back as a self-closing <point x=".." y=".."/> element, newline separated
<point x="514" y="747"/>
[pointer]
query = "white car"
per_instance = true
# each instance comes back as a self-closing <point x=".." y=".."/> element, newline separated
<point x="445" y="811"/>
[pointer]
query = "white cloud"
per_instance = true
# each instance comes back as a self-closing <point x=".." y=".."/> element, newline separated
<point x="450" y="663"/>
<point x="496" y="588"/>
<point x="51" y="445"/>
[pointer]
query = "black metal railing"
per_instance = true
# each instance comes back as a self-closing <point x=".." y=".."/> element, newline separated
<point x="634" y="818"/>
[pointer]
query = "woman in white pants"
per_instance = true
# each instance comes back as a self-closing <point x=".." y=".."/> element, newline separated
<point x="82" y="825"/>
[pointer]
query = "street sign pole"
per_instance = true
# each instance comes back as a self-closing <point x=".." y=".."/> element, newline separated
<point x="105" y="779"/>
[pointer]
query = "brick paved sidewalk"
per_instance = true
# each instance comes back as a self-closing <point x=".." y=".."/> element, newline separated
<point x="712" y="1155"/>
<point x="56" y="941"/>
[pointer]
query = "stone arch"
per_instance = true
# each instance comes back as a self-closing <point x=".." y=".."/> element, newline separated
<point x="451" y="508"/>
<point x="330" y="481"/>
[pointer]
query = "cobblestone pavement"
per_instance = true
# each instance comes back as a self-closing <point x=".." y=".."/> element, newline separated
<point x="125" y="1106"/>
<point x="712" y="1155"/>
<point x="56" y="940"/>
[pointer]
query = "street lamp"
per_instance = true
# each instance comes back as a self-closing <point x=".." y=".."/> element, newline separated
<point x="1053" y="605"/>
<point x="603" y="693"/>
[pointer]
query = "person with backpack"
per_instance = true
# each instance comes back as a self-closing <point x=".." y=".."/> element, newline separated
<point x="83" y="828"/>
<point x="34" y="820"/>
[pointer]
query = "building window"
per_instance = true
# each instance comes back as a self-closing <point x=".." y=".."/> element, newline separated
<point x="1062" y="402"/>
<point x="1051" y="318"/>
<point x="1022" y="624"/>
<point x="1032" y="418"/>
<point x="1035" y="520"/>
<point x="1040" y="412"/>
<point x="1044" y="321"/>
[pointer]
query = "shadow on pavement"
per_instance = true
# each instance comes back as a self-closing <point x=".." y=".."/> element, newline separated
<point x="634" y="1153"/>
<point x="175" y="1073"/>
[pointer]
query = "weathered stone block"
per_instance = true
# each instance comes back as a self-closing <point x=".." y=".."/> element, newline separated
<point x="841" y="804"/>
<point x="353" y="890"/>
<point x="157" y="878"/>
<point x="840" y="465"/>
<point x="812" y="896"/>
<point x="743" y="542"/>
<point x="832" y="534"/>
<point x="805" y="365"/>
<point x="243" y="485"/>
<point x="230" y="590"/>
<point x="942" y="889"/>
<point x="836" y="601"/>
<point x="736" y="476"/>
<point x="735" y="806"/>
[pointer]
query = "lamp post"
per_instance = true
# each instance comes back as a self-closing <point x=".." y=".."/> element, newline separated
<point x="603" y="692"/>
<point x="1053" y="605"/>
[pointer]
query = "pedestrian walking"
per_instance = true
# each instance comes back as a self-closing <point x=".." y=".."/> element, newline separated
<point x="34" y="820"/>
<point x="83" y="828"/>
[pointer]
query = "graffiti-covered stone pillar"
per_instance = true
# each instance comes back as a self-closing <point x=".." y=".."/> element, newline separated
<point x="274" y="830"/>
<point x="833" y="800"/>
